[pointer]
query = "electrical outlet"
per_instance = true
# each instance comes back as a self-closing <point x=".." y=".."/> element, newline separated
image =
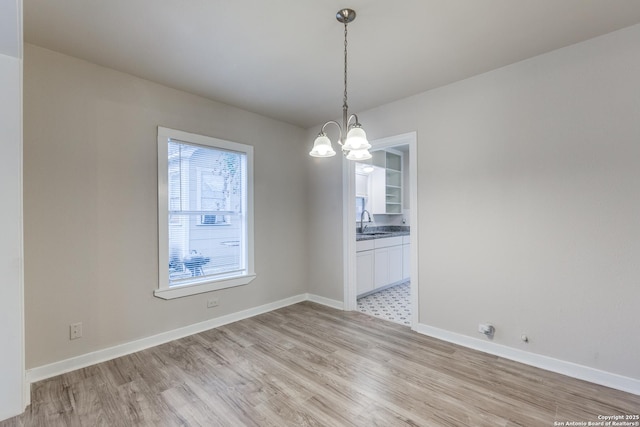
<point x="487" y="329"/>
<point x="213" y="302"/>
<point x="75" y="331"/>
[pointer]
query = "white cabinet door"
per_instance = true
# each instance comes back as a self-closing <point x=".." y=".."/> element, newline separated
<point x="381" y="267"/>
<point x="364" y="271"/>
<point x="406" y="261"/>
<point x="395" y="264"/>
<point x="386" y="264"/>
<point x="362" y="185"/>
<point x="377" y="191"/>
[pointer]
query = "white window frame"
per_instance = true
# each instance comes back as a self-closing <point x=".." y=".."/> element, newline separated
<point x="244" y="277"/>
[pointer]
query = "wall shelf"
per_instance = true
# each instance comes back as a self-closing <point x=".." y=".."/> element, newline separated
<point x="387" y="182"/>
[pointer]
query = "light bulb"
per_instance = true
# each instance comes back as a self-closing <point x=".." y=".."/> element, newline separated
<point x="356" y="139"/>
<point x="322" y="147"/>
<point x="359" y="155"/>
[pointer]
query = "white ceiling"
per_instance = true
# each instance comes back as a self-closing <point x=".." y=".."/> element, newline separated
<point x="284" y="59"/>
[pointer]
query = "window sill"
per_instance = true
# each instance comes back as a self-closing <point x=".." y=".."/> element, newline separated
<point x="199" y="288"/>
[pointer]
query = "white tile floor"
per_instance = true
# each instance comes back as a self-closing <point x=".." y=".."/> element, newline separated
<point x="392" y="304"/>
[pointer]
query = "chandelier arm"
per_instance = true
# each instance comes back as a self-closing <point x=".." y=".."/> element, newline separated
<point x="339" y="130"/>
<point x="356" y="122"/>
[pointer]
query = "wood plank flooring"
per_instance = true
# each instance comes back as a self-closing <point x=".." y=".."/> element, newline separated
<point x="309" y="365"/>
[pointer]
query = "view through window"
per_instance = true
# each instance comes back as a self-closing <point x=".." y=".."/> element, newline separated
<point x="206" y="211"/>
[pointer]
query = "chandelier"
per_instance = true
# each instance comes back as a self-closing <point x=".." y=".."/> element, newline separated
<point x="352" y="139"/>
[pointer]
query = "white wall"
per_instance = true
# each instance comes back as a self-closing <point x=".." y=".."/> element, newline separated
<point x="90" y="206"/>
<point x="11" y="299"/>
<point x="324" y="232"/>
<point x="11" y="285"/>
<point x="529" y="205"/>
<point x="11" y="28"/>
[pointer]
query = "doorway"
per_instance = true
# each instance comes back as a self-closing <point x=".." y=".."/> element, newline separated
<point x="381" y="277"/>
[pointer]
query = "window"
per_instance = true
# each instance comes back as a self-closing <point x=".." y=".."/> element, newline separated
<point x="205" y="214"/>
<point x="360" y="207"/>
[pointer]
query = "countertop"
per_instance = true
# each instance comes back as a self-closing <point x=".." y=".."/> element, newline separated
<point x="388" y="230"/>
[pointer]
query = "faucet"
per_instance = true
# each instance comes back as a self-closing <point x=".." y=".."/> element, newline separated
<point x="362" y="219"/>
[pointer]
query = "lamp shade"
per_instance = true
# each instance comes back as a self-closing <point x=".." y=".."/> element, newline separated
<point x="359" y="154"/>
<point x="322" y="147"/>
<point x="356" y="139"/>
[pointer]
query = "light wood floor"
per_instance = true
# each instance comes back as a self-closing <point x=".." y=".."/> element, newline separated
<point x="308" y="365"/>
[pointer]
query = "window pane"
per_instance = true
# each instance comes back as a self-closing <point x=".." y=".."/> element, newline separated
<point x="205" y="179"/>
<point x="198" y="251"/>
<point x="206" y="188"/>
<point x="360" y="203"/>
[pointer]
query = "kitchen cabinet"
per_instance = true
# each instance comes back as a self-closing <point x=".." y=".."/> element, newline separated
<point x="377" y="191"/>
<point x="381" y="268"/>
<point x="386" y="182"/>
<point x="395" y="264"/>
<point x="364" y="271"/>
<point x="379" y="263"/>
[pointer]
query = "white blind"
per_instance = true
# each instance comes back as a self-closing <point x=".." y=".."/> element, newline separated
<point x="206" y="205"/>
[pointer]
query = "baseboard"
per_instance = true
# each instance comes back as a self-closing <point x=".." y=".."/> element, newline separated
<point x="619" y="382"/>
<point x="26" y="391"/>
<point x="326" y="301"/>
<point x="57" y="368"/>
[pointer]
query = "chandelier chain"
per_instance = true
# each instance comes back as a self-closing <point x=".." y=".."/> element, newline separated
<point x="345" y="67"/>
